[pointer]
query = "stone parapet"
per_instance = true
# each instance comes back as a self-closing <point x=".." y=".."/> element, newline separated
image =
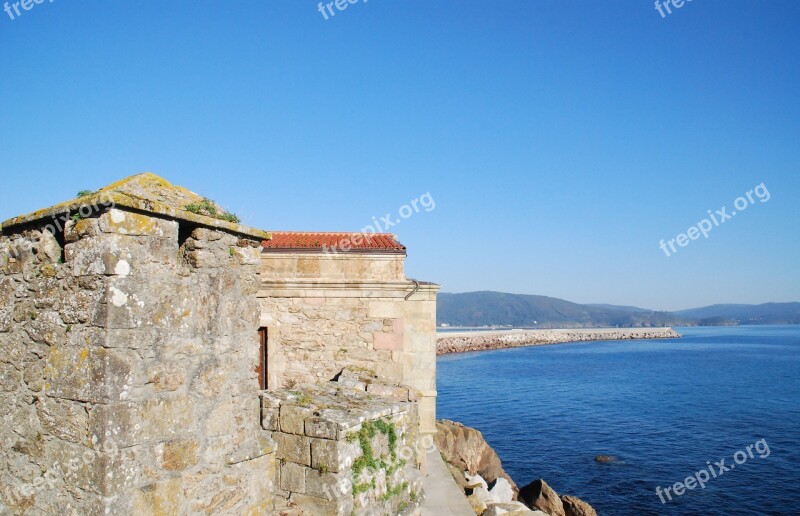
<point x="346" y="447"/>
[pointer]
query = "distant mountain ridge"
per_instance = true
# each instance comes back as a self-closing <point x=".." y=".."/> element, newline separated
<point x="488" y="308"/>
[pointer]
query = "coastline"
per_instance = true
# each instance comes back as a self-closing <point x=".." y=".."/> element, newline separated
<point x="461" y="342"/>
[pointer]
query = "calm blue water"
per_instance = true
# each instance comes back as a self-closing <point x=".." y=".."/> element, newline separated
<point x="662" y="407"/>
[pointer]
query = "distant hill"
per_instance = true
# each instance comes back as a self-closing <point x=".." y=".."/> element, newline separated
<point x="501" y="309"/>
<point x="621" y="308"/>
<point x="767" y="313"/>
<point x="489" y="308"/>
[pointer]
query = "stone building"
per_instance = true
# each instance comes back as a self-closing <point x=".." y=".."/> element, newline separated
<point x="158" y="357"/>
<point x="332" y="300"/>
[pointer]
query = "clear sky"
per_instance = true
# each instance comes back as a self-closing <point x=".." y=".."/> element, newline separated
<point x="560" y="140"/>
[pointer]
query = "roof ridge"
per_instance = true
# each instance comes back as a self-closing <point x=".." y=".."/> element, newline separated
<point x="274" y="232"/>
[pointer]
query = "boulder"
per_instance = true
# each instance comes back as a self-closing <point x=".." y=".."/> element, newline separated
<point x="466" y="449"/>
<point x="605" y="459"/>
<point x="539" y="495"/>
<point x="501" y="491"/>
<point x="458" y="476"/>
<point x="480" y="500"/>
<point x="574" y="506"/>
<point x="511" y="509"/>
<point x="475" y="481"/>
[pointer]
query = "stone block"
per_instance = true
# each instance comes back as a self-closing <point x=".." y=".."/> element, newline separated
<point x="220" y="418"/>
<point x="317" y="505"/>
<point x="293" y="418"/>
<point x="388" y="391"/>
<point x="385" y="309"/>
<point x="159" y="498"/>
<point x="293" y="477"/>
<point x="206" y="234"/>
<point x="269" y="418"/>
<point x="179" y="454"/>
<point x="388" y="341"/>
<point x="133" y="423"/>
<point x="324" y="485"/>
<point x="77" y="230"/>
<point x="130" y="223"/>
<point x="293" y="448"/>
<point x="322" y="429"/>
<point x="97" y="375"/>
<point x="166" y="376"/>
<point x="333" y="456"/>
<point x="64" y="419"/>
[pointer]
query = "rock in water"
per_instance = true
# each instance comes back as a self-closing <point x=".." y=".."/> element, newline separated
<point x="574" y="506"/>
<point x="539" y="495"/>
<point x="603" y="459"/>
<point x="466" y="449"/>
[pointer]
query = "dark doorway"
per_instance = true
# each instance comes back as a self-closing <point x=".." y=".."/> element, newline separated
<point x="262" y="358"/>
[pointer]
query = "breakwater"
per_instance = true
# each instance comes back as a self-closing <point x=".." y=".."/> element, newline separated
<point x="480" y="341"/>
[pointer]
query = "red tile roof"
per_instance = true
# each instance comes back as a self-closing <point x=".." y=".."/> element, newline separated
<point x="336" y="242"/>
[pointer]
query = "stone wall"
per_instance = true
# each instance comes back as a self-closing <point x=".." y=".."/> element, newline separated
<point x="351" y="266"/>
<point x="320" y="322"/>
<point x="349" y="447"/>
<point x="128" y="348"/>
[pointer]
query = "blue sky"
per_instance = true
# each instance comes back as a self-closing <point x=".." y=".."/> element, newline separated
<point x="560" y="140"/>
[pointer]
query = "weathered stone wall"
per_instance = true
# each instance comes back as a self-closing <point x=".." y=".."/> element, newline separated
<point x="127" y="371"/>
<point x="280" y="266"/>
<point x="349" y="447"/>
<point x="319" y="325"/>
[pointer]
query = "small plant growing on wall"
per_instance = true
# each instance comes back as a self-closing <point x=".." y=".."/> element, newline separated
<point x="207" y="208"/>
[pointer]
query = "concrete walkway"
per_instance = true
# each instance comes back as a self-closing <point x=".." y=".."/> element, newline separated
<point x="442" y="495"/>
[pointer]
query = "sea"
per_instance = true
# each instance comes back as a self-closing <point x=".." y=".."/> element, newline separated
<point x="720" y="402"/>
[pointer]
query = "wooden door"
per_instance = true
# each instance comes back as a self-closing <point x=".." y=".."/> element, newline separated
<point x="262" y="360"/>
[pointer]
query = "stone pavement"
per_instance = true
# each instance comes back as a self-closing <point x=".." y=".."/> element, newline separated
<point x="442" y="495"/>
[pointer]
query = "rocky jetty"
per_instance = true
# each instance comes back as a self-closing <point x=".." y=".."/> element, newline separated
<point x="477" y="469"/>
<point x="481" y="341"/>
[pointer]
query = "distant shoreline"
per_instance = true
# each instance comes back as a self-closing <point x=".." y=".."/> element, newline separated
<point x="462" y="342"/>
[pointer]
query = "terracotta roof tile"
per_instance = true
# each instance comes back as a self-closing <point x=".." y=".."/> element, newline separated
<point x="338" y="242"/>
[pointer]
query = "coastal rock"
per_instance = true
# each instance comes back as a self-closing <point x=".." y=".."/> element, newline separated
<point x="458" y="476"/>
<point x="574" y="506"/>
<point x="604" y="459"/>
<point x="502" y="492"/>
<point x="480" y="499"/>
<point x="511" y="509"/>
<point x="539" y="495"/>
<point x="466" y="449"/>
<point x="475" y="481"/>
